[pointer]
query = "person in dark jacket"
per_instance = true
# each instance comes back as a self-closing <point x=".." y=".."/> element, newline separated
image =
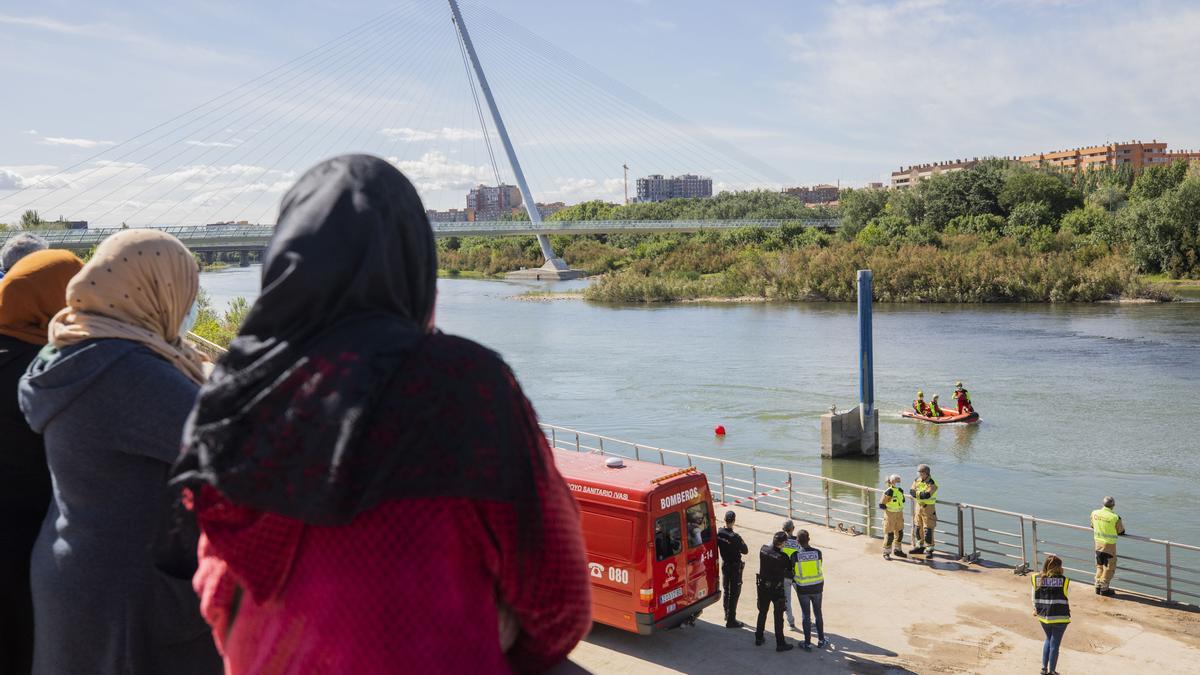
<point x="732" y="548"/>
<point x="30" y="294"/>
<point x="110" y="395"/>
<point x="774" y="575"/>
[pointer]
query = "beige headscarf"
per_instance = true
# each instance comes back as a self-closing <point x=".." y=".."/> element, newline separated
<point x="139" y="285"/>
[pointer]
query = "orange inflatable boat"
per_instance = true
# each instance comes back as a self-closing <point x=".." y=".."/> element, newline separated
<point x="946" y="418"/>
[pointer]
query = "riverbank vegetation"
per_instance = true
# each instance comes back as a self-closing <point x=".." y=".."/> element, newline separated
<point x="999" y="232"/>
<point x="219" y="327"/>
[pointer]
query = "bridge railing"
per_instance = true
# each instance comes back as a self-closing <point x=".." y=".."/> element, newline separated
<point x="443" y="229"/>
<point x="258" y="235"/>
<point x="1147" y="566"/>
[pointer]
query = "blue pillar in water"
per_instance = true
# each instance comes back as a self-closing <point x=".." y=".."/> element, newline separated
<point x="866" y="349"/>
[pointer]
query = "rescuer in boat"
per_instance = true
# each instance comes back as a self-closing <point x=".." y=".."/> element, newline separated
<point x="892" y="502"/>
<point x="962" y="397"/>
<point x="935" y="410"/>
<point x="1106" y="527"/>
<point x="919" y="405"/>
<point x="732" y="548"/>
<point x="924" y="490"/>
<point x="774" y="576"/>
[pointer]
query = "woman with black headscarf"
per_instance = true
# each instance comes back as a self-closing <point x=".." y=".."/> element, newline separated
<point x="374" y="496"/>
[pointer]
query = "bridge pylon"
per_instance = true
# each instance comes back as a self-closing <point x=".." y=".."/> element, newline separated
<point x="555" y="268"/>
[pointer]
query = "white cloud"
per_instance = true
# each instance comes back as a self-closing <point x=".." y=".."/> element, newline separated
<point x="584" y="189"/>
<point x="30" y="132"/>
<point x="10" y="180"/>
<point x="38" y="177"/>
<point x="212" y="144"/>
<point x="928" y="80"/>
<point x="435" y="172"/>
<point x="86" y="143"/>
<point x="407" y="135"/>
<point x="114" y="33"/>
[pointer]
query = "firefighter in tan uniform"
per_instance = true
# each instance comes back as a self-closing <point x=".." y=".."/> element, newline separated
<point x="1106" y="527"/>
<point x="891" y="502"/>
<point x="924" y="490"/>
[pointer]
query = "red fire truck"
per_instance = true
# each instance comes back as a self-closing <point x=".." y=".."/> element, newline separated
<point x="651" y="540"/>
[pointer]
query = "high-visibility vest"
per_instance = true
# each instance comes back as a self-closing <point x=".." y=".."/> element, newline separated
<point x="1050" y="599"/>
<point x="809" y="568"/>
<point x="920" y="407"/>
<point x="920" y="486"/>
<point x="789" y="547"/>
<point x="896" y="503"/>
<point x="962" y="395"/>
<point x="935" y="410"/>
<point x="1104" y="525"/>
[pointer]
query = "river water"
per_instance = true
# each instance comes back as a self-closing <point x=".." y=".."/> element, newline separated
<point x="1077" y="401"/>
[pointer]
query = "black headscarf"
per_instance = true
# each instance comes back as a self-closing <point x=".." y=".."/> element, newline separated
<point x="348" y="287"/>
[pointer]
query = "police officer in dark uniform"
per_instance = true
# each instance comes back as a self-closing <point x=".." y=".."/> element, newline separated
<point x="732" y="548"/>
<point x="775" y="570"/>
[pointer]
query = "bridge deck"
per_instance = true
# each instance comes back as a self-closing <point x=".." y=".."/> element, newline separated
<point x="905" y="616"/>
<point x="235" y="237"/>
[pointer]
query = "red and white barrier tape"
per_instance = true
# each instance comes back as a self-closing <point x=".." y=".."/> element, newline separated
<point x="756" y="497"/>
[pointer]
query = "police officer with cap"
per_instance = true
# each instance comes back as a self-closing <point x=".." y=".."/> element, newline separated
<point x="732" y="548"/>
<point x="774" y="577"/>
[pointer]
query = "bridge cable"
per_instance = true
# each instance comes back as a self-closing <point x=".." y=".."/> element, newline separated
<point x="345" y="109"/>
<point x="274" y="71"/>
<point x="302" y="129"/>
<point x="554" y="74"/>
<point x="350" y="57"/>
<point x="365" y="111"/>
<point x="562" y="62"/>
<point x="343" y="64"/>
<point x="572" y="81"/>
<point x="471" y="84"/>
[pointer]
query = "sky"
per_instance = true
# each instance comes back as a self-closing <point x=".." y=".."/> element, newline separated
<point x="761" y="94"/>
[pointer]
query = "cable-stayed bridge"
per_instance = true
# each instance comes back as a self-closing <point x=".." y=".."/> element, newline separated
<point x="413" y="85"/>
<point x="246" y="239"/>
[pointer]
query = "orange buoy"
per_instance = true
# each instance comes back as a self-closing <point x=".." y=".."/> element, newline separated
<point x="720" y="430"/>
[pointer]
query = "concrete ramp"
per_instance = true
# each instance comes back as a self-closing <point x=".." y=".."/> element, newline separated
<point x="909" y="616"/>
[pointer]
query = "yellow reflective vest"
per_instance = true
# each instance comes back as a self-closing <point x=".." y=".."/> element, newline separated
<point x="810" y="570"/>
<point x="920" y="486"/>
<point x="896" y="503"/>
<point x="1104" y="525"/>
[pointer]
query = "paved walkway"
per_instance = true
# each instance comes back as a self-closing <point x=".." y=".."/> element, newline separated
<point x="910" y="617"/>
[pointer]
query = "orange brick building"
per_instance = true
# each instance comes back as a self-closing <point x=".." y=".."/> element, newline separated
<point x="1133" y="154"/>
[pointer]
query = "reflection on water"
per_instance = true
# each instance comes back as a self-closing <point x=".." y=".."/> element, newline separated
<point x="862" y="471"/>
<point x="958" y="436"/>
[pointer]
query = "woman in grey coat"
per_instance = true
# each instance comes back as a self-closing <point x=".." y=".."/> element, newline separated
<point x="110" y="394"/>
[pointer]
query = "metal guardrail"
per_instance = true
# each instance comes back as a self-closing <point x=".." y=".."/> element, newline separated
<point x="259" y="235"/>
<point x="512" y="228"/>
<point x="210" y="349"/>
<point x="1147" y="566"/>
<point x="1160" y="569"/>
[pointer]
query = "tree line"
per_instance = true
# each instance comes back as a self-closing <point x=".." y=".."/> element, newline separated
<point x="1152" y="216"/>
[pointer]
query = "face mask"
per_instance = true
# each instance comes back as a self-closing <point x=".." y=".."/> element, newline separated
<point x="189" y="320"/>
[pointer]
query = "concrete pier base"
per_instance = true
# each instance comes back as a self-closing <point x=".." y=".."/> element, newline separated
<point x="849" y="434"/>
<point x="555" y="269"/>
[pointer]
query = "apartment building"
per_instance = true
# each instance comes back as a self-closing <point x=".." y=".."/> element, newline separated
<point x="817" y="194"/>
<point x="656" y="188"/>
